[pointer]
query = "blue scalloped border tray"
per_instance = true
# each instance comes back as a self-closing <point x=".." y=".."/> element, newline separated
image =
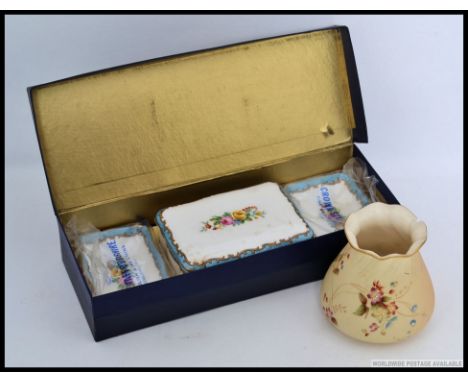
<point x="189" y="267"/>
<point x="305" y="184"/>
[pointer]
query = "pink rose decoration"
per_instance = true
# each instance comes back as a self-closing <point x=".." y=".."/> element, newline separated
<point x="376" y="293"/>
<point x="227" y="220"/>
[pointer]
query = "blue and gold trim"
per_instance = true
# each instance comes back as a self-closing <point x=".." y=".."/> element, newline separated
<point x="187" y="266"/>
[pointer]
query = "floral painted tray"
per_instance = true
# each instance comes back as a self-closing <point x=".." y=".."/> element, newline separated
<point x="326" y="201"/>
<point x="121" y="258"/>
<point x="231" y="225"/>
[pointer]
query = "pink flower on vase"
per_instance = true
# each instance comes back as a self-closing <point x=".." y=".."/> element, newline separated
<point x="373" y="327"/>
<point x="227" y="220"/>
<point x="376" y="293"/>
<point x="329" y="314"/>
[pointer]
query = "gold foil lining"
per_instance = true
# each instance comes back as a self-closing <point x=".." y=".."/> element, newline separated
<point x="173" y="269"/>
<point x="139" y="131"/>
<point x="145" y="206"/>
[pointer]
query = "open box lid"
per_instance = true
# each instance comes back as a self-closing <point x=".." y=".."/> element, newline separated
<point x="164" y="123"/>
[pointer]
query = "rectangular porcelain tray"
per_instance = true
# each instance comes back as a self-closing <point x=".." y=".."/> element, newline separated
<point x="231" y="225"/>
<point x="333" y="212"/>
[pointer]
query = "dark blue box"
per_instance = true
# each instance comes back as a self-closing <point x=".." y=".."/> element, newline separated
<point x="135" y="308"/>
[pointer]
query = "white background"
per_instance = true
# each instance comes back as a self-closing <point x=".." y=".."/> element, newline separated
<point x="410" y="69"/>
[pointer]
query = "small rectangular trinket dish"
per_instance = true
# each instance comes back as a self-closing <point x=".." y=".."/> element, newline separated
<point x="326" y="201"/>
<point x="231" y="225"/>
<point x="120" y="258"/>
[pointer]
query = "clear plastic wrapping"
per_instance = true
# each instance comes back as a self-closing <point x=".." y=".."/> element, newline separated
<point x="116" y="258"/>
<point x="326" y="201"/>
<point x="139" y="253"/>
<point x="356" y="169"/>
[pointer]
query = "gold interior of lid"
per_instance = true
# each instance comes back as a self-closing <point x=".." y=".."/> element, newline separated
<point x="119" y="135"/>
<point x="145" y="206"/>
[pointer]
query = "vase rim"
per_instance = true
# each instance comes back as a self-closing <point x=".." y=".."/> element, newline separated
<point x="417" y="227"/>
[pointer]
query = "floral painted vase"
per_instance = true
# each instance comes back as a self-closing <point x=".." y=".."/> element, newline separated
<point x="378" y="288"/>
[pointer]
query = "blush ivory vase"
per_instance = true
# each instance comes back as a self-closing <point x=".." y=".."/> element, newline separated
<point x="378" y="288"/>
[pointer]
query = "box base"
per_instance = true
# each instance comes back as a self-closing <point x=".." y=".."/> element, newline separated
<point x="136" y="308"/>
